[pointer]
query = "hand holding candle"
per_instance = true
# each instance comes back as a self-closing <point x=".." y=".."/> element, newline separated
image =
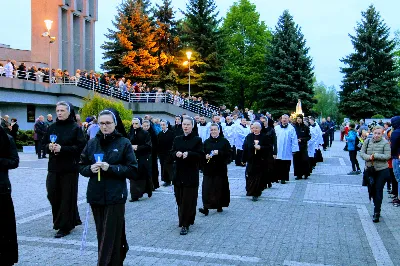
<point x="256" y="143"/>
<point x="210" y="156"/>
<point x="99" y="159"/>
<point x="53" y="139"/>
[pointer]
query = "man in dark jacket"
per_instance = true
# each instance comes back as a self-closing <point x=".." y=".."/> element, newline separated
<point x="331" y="134"/>
<point x="41" y="130"/>
<point x="14" y="129"/>
<point x="395" y="146"/>
<point x="165" y="139"/>
<point x="325" y="132"/>
<point x="177" y="128"/>
<point x="300" y="158"/>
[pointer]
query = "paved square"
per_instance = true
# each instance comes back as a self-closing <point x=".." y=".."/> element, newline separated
<point x="325" y="220"/>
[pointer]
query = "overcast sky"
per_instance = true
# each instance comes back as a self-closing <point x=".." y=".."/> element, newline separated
<point x="325" y="25"/>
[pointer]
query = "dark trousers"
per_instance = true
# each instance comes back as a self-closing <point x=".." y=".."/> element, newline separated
<point x="394" y="183"/>
<point x="353" y="160"/>
<point x="331" y="138"/>
<point x="165" y="174"/>
<point x="111" y="237"/>
<point x="380" y="179"/>
<point x="8" y="231"/>
<point x="62" y="192"/>
<point x="40" y="148"/>
<point x="154" y="170"/>
<point x="186" y="199"/>
<point x="282" y="169"/>
<point x="239" y="154"/>
<point x="233" y="153"/>
<point x="325" y="137"/>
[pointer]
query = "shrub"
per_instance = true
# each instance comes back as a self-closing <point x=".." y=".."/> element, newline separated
<point x="25" y="138"/>
<point x="127" y="125"/>
<point x="377" y="116"/>
<point x="94" y="105"/>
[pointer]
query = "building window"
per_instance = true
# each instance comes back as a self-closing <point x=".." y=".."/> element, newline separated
<point x="30" y="113"/>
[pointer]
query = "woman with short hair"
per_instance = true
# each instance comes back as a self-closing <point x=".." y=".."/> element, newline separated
<point x="107" y="192"/>
<point x="376" y="153"/>
<point x="64" y="149"/>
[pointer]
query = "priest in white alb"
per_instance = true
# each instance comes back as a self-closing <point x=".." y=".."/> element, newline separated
<point x="287" y="144"/>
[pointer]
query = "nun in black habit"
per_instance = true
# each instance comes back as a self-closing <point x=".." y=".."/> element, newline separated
<point x="254" y="154"/>
<point x="107" y="195"/>
<point x="164" y="144"/>
<point x="215" y="192"/>
<point x="8" y="232"/>
<point x="149" y="127"/>
<point x="301" y="162"/>
<point x="141" y="144"/>
<point x="63" y="168"/>
<point x="187" y="152"/>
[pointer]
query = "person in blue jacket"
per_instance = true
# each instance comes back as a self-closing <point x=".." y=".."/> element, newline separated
<point x="352" y="148"/>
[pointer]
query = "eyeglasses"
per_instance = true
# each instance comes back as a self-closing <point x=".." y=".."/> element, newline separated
<point x="106" y="123"/>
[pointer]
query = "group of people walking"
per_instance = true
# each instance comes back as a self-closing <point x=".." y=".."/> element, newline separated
<point x="190" y="146"/>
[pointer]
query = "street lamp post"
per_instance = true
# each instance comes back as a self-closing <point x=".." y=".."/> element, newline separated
<point x="189" y="55"/>
<point x="52" y="40"/>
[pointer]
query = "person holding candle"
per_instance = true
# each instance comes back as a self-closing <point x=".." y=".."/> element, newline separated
<point x="8" y="232"/>
<point x="187" y="151"/>
<point x="215" y="192"/>
<point x="63" y="168"/>
<point x="107" y="196"/>
<point x="141" y="144"/>
<point x="254" y="154"/>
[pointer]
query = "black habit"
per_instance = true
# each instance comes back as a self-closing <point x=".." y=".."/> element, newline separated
<point x="165" y="140"/>
<point x="215" y="190"/>
<point x="270" y="150"/>
<point x="63" y="172"/>
<point x="142" y="183"/>
<point x="153" y="158"/>
<point x="8" y="232"/>
<point x="300" y="159"/>
<point x="256" y="164"/>
<point x="186" y="179"/>
<point x="107" y="197"/>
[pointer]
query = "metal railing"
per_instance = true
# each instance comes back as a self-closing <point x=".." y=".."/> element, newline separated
<point x="121" y="93"/>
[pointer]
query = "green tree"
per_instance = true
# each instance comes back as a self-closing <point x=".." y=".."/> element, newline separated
<point x="200" y="33"/>
<point x="289" y="71"/>
<point x="132" y="48"/>
<point x="370" y="83"/>
<point x="245" y="39"/>
<point x="327" y="101"/>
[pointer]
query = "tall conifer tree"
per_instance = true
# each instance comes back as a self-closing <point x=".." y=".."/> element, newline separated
<point x="289" y="72"/>
<point x="370" y="84"/>
<point x="201" y="33"/>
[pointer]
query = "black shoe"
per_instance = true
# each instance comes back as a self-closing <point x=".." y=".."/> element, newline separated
<point x="254" y="198"/>
<point x="61" y="234"/>
<point x="184" y="230"/>
<point x="269" y="185"/>
<point x="44" y="157"/>
<point x="204" y="211"/>
<point x="298" y="178"/>
<point x="133" y="200"/>
<point x="376" y="218"/>
<point x="220" y="210"/>
<point x="166" y="184"/>
<point x="79" y="222"/>
<point x="283" y="182"/>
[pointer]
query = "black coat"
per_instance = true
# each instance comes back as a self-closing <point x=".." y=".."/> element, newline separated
<point x="256" y="161"/>
<point x="303" y="133"/>
<point x="8" y="160"/>
<point x="164" y="141"/>
<point x="118" y="153"/>
<point x="72" y="141"/>
<point x="142" y="138"/>
<point x="187" y="170"/>
<point x="14" y="131"/>
<point x="217" y="165"/>
<point x="40" y="129"/>
<point x="270" y="141"/>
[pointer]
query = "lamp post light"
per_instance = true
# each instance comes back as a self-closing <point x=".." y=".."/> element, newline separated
<point x="189" y="55"/>
<point x="52" y="40"/>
